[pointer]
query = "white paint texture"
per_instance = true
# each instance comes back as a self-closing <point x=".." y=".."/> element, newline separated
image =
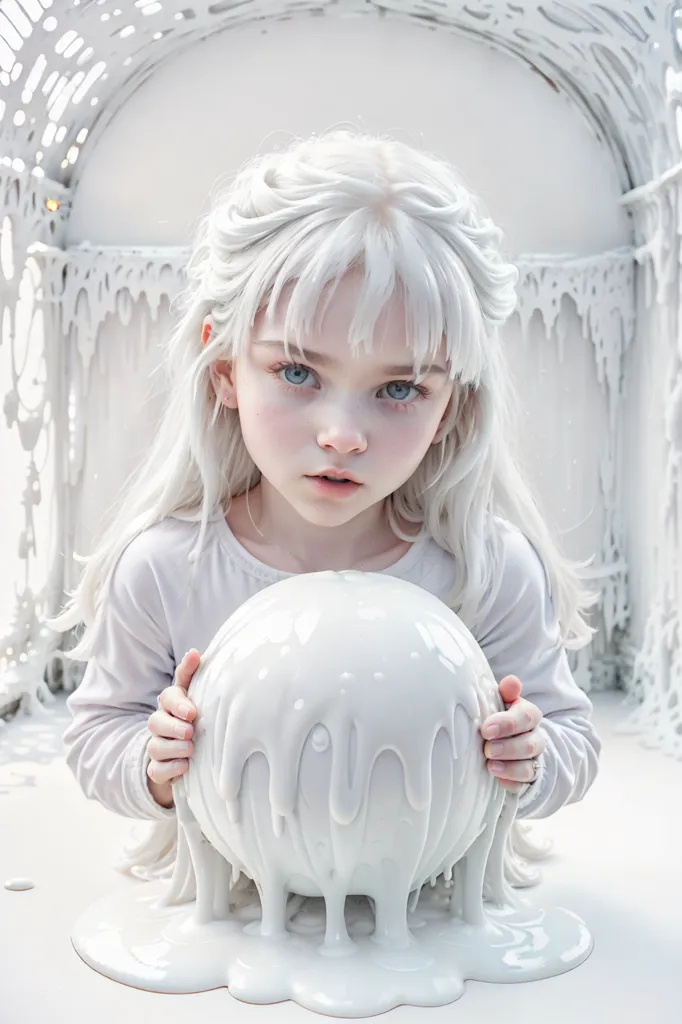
<point x="340" y="839"/>
<point x="609" y="883"/>
<point x="614" y="74"/>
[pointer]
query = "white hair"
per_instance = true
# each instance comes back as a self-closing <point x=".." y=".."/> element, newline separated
<point x="304" y="217"/>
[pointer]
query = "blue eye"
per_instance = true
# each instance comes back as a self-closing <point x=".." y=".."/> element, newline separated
<point x="399" y="390"/>
<point x="295" y="374"/>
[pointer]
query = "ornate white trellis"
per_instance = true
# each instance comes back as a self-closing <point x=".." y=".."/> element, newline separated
<point x="65" y="70"/>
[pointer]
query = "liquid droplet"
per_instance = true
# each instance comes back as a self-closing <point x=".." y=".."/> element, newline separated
<point x="379" y="677"/>
<point x="320" y="739"/>
<point x="299" y="705"/>
<point x="19" y="884"/>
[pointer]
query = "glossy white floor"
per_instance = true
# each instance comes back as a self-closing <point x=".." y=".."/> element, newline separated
<point x="617" y="863"/>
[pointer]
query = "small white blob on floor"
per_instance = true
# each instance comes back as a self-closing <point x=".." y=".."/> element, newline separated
<point x="18" y="884"/>
<point x="616" y="863"/>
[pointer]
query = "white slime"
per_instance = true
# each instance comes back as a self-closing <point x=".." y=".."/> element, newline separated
<point x="19" y="884"/>
<point x="338" y="827"/>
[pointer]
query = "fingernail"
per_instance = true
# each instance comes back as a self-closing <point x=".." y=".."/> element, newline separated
<point x="184" y="746"/>
<point x="492" y="731"/>
<point x="494" y="749"/>
<point x="496" y="766"/>
<point x="179" y="765"/>
<point x="185" y="709"/>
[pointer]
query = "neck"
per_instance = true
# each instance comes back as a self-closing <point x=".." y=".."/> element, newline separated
<point x="310" y="548"/>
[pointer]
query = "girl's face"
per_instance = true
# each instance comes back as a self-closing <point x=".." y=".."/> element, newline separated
<point x="327" y="410"/>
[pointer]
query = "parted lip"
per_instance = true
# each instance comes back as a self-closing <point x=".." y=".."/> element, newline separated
<point x="336" y="474"/>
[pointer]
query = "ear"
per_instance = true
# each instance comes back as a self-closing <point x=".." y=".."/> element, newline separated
<point x="222" y="372"/>
<point x="223" y="378"/>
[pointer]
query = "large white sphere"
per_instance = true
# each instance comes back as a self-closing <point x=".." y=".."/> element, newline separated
<point x="338" y="758"/>
<point x="337" y="749"/>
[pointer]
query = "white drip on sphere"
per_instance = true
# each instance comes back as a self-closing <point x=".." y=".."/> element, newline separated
<point x="337" y="745"/>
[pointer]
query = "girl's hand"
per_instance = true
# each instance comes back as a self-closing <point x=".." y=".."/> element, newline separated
<point x="515" y="739"/>
<point x="171" y="745"/>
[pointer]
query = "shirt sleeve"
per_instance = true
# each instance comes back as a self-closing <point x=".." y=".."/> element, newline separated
<point x="130" y="664"/>
<point x="520" y="636"/>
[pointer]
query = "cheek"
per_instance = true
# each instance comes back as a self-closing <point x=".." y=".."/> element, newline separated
<point x="266" y="417"/>
<point x="410" y="432"/>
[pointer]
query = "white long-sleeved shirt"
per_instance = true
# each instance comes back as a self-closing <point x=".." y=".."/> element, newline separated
<point x="150" y="619"/>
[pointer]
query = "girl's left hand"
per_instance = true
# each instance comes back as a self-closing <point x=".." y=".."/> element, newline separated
<point x="514" y="738"/>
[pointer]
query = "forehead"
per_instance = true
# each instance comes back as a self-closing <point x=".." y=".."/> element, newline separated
<point x="328" y="331"/>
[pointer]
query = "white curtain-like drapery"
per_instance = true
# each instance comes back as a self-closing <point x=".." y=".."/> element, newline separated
<point x="595" y="337"/>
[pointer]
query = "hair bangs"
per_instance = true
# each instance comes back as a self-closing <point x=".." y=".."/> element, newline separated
<point x="397" y="259"/>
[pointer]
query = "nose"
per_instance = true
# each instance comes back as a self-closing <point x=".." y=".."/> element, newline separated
<point x="342" y="433"/>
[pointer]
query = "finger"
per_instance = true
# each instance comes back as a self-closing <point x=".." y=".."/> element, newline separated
<point x="168" y="750"/>
<point x="498" y="725"/>
<point x="168" y="726"/>
<point x="164" y="771"/>
<point x="510" y="689"/>
<point x="518" y="748"/>
<point x="186" y="669"/>
<point x="521" y="717"/>
<point x="525" y="715"/>
<point x="515" y="771"/>
<point x="174" y="699"/>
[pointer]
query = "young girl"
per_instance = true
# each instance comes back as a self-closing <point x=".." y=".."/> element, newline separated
<point x="337" y="400"/>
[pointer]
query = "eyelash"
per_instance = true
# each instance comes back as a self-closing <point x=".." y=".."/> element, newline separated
<point x="422" y="392"/>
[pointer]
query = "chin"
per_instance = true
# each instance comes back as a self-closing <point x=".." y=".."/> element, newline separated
<point x="330" y="514"/>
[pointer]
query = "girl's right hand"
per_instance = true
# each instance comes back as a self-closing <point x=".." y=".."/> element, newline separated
<point x="170" y="746"/>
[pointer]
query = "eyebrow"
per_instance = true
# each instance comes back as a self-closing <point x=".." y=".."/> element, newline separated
<point x="323" y="360"/>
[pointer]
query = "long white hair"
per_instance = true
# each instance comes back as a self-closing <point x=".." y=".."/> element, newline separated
<point x="304" y="217"/>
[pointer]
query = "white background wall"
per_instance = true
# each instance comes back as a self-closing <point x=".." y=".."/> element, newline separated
<point x="519" y="144"/>
<point x="643" y="463"/>
<point x="544" y="174"/>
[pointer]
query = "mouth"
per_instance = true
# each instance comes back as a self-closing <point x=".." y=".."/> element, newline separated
<point x="333" y="482"/>
<point x="335" y="478"/>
